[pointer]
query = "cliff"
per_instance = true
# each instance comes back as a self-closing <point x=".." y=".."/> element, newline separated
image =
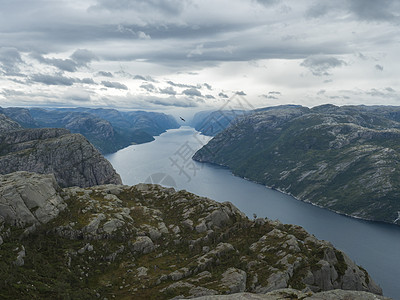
<point x="342" y="158"/>
<point x="70" y="157"/>
<point x="150" y="242"/>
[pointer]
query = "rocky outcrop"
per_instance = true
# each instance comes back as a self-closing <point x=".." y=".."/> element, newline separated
<point x="70" y="157"/>
<point x="295" y="294"/>
<point x="321" y="155"/>
<point x="144" y="242"/>
<point x="7" y="124"/>
<point x="29" y="199"/>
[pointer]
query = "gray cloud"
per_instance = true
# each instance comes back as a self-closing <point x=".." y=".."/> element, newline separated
<point x="63" y="64"/>
<point x="104" y="74"/>
<point x="125" y="74"/>
<point x="372" y="10"/>
<point x="10" y="58"/>
<point x="272" y="95"/>
<point x="379" y="67"/>
<point x="149" y="87"/>
<point x="114" y="85"/>
<point x="320" y="65"/>
<point x="389" y="89"/>
<point x="192" y="92"/>
<point x="318" y="10"/>
<point x="208" y="86"/>
<point x="268" y="2"/>
<point x="269" y="97"/>
<point x="53" y="79"/>
<point x="181" y="85"/>
<point x="59" y="79"/>
<point x="171" y="7"/>
<point x="171" y="101"/>
<point x="85" y="80"/>
<point x="80" y="58"/>
<point x="241" y="93"/>
<point x="144" y="78"/>
<point x="210" y="97"/>
<point x="222" y="95"/>
<point x="383" y="93"/>
<point x="83" y="57"/>
<point x="168" y="91"/>
<point x="365" y="10"/>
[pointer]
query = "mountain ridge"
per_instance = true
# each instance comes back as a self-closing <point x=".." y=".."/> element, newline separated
<point x="321" y="155"/>
<point x="109" y="130"/>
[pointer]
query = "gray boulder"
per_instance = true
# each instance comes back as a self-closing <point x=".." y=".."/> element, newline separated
<point x="143" y="244"/>
<point x="234" y="280"/>
<point x="29" y="198"/>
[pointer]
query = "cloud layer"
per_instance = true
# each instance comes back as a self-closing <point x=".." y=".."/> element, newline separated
<point x="190" y="53"/>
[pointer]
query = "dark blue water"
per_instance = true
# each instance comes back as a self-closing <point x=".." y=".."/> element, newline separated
<point x="375" y="246"/>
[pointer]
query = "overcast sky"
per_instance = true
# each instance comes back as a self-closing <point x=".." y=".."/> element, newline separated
<point x="192" y="54"/>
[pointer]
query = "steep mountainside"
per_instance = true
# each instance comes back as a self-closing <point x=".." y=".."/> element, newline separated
<point x="6" y="124"/>
<point x="108" y="130"/>
<point x="150" y="242"/>
<point x="346" y="159"/>
<point x="70" y="157"/>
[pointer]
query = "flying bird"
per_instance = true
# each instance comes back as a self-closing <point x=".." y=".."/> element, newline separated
<point x="182" y="119"/>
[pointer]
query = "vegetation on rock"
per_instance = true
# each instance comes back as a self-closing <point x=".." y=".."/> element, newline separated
<point x="151" y="242"/>
<point x="342" y="158"/>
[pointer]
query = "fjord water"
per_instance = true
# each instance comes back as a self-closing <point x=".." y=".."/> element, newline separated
<point x="374" y="246"/>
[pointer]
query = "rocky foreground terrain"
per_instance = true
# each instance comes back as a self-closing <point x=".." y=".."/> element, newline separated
<point x="151" y="242"/>
<point x="70" y="157"/>
<point x="346" y="159"/>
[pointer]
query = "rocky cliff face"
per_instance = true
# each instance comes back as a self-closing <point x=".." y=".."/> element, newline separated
<point x="70" y="157"/>
<point x="150" y="242"/>
<point x="345" y="159"/>
<point x="7" y="124"/>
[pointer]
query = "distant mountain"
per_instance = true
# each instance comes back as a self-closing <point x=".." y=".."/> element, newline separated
<point x="107" y="129"/>
<point x="150" y="122"/>
<point x="20" y="115"/>
<point x="346" y="159"/>
<point x="152" y="242"/>
<point x="70" y="157"/>
<point x="213" y="122"/>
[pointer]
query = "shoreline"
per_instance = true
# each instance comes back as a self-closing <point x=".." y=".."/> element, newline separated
<point x="297" y="199"/>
